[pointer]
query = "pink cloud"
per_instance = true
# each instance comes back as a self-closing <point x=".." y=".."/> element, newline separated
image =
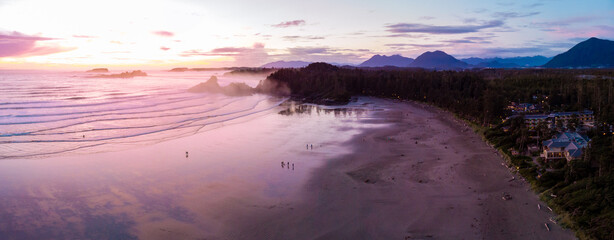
<point x="290" y="24"/>
<point x="83" y="36"/>
<point x="164" y="48"/>
<point x="601" y="31"/>
<point x="164" y="33"/>
<point x="15" y="44"/>
<point x="243" y="56"/>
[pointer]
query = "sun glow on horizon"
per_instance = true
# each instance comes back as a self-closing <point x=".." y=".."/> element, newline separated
<point x="160" y="34"/>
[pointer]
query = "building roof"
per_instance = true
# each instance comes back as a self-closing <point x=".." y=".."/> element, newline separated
<point x="575" y="153"/>
<point x="536" y="116"/>
<point x="560" y="114"/>
<point x="580" y="140"/>
<point x="555" y="144"/>
<point x="571" y="142"/>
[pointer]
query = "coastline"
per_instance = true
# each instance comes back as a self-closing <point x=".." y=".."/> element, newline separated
<point x="427" y="175"/>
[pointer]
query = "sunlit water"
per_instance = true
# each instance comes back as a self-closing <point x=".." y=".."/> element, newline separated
<point x="131" y="177"/>
<point x="45" y="113"/>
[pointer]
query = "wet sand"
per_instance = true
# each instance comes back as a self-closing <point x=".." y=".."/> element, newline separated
<point x="426" y="176"/>
<point x="396" y="171"/>
<point x="155" y="191"/>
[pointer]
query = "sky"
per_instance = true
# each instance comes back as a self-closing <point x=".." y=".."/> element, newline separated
<point x="126" y="34"/>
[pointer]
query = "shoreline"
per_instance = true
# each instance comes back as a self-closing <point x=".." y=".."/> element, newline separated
<point x="427" y="175"/>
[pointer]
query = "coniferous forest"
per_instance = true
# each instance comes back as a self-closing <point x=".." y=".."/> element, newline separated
<point x="581" y="191"/>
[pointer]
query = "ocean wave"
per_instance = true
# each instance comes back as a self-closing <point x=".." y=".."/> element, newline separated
<point x="196" y="123"/>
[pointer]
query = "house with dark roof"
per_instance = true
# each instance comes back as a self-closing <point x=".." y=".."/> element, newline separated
<point x="567" y="145"/>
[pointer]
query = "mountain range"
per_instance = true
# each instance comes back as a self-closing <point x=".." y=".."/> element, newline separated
<point x="591" y="53"/>
<point x="513" y="62"/>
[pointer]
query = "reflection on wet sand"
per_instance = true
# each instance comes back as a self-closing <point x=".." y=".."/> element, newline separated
<point x="294" y="108"/>
<point x="155" y="192"/>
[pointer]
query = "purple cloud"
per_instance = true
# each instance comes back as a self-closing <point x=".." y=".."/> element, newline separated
<point x="15" y="44"/>
<point x="164" y="48"/>
<point x="302" y="38"/>
<point x="434" y="29"/>
<point x="416" y="45"/>
<point x="164" y="33"/>
<point x="307" y="50"/>
<point x="243" y="56"/>
<point x="289" y="24"/>
<point x="324" y="53"/>
<point x="229" y="50"/>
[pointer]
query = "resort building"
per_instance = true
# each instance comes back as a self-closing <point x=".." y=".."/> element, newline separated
<point x="532" y="121"/>
<point x="584" y="117"/>
<point x="567" y="145"/>
<point x="524" y="107"/>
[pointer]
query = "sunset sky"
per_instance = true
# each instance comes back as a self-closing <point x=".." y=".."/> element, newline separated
<point x="163" y="34"/>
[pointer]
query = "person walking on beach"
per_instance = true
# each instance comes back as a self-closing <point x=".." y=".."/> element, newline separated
<point x="186" y="154"/>
<point x="282" y="164"/>
<point x="311" y="146"/>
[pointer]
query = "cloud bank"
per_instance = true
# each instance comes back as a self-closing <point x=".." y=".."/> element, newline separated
<point x="435" y="29"/>
<point x="15" y="44"/>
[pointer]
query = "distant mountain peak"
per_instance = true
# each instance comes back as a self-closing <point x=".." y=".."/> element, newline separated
<point x="395" y="60"/>
<point x="590" y="53"/>
<point x="438" y="60"/>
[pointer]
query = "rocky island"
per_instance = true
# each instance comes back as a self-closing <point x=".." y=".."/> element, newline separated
<point x="98" y="70"/>
<point x="212" y="86"/>
<point x="137" y="73"/>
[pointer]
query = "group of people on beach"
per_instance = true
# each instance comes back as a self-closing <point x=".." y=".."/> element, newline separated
<point x="286" y="165"/>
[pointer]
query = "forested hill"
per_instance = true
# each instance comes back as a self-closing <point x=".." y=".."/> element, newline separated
<point x="479" y="95"/>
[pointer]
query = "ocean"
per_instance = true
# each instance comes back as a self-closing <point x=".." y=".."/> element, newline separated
<point x="50" y="113"/>
<point x="93" y="158"/>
